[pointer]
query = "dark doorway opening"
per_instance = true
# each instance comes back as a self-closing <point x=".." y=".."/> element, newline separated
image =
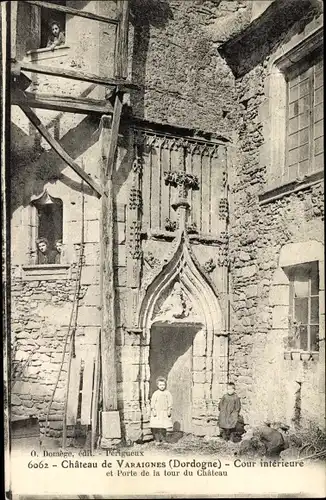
<point x="171" y="357"/>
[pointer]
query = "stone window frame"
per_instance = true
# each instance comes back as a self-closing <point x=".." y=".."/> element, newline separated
<point x="30" y="270"/>
<point x="274" y="113"/>
<point x="295" y="254"/>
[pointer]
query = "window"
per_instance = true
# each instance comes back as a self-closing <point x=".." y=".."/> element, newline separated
<point x="292" y="114"/>
<point x="47" y="17"/>
<point x="49" y="229"/>
<point x="304" y="142"/>
<point x="40" y="24"/>
<point x="304" y="307"/>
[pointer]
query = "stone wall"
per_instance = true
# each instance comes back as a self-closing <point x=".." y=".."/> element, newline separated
<point x="269" y="385"/>
<point x="41" y="315"/>
<point x="184" y="81"/>
<point x="174" y="58"/>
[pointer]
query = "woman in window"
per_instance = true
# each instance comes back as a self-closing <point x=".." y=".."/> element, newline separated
<point x="45" y="255"/>
<point x="59" y="258"/>
<point x="56" y="37"/>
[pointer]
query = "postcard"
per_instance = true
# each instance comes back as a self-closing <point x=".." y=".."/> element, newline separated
<point x="163" y="249"/>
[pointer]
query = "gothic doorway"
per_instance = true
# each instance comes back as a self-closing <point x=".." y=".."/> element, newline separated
<point x="170" y="355"/>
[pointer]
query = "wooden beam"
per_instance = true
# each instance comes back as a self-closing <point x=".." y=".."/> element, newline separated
<point x="61" y="103"/>
<point x="114" y="134"/>
<point x="121" y="84"/>
<point x="121" y="68"/>
<point x="59" y="149"/>
<point x="108" y="326"/>
<point x="73" y="12"/>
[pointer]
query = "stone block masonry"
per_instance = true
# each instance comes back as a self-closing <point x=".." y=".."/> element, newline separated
<point x="265" y="381"/>
<point x="41" y="312"/>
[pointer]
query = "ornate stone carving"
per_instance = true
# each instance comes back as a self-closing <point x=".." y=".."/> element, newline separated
<point x="223" y="260"/>
<point x="170" y="225"/>
<point x="137" y="165"/>
<point x="223" y="208"/>
<point x="135" y="243"/>
<point x="151" y="260"/>
<point x="192" y="228"/>
<point x="175" y="305"/>
<point x="181" y="179"/>
<point x="135" y="198"/>
<point x="209" y="265"/>
<point x="223" y="251"/>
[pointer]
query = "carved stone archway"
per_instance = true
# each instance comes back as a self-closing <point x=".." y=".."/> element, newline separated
<point x="180" y="293"/>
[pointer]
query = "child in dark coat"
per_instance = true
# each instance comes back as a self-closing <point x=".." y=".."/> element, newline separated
<point x="229" y="407"/>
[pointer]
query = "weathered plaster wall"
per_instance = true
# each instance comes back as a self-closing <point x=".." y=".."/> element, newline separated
<point x="183" y="79"/>
<point x="266" y="382"/>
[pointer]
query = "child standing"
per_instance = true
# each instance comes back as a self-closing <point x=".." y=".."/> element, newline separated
<point x="229" y="407"/>
<point x="161" y="410"/>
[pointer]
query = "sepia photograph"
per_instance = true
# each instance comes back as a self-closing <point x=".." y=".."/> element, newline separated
<point x="162" y="168"/>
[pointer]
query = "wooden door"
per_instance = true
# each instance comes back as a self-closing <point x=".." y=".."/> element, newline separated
<point x="171" y="357"/>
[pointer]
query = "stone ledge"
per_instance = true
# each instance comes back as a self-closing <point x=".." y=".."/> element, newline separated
<point x="279" y="192"/>
<point x="46" y="272"/>
<point x="160" y="234"/>
<point x="301" y="355"/>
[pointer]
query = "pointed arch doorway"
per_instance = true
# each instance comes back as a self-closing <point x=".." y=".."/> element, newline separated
<point x="183" y="338"/>
<point x="170" y="356"/>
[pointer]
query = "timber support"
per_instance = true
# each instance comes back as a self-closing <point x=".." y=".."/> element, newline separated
<point x="110" y="111"/>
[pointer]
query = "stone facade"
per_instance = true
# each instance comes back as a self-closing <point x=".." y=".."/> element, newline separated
<point x="201" y="112"/>
<point x="263" y="224"/>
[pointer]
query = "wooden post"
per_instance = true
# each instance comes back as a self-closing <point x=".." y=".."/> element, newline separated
<point x="121" y="67"/>
<point x="107" y="277"/>
<point x="110" y="416"/>
<point x="111" y="428"/>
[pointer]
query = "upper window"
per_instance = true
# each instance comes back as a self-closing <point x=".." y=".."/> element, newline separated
<point x="304" y="141"/>
<point x="304" y="307"/>
<point x="47" y="27"/>
<point x="292" y="115"/>
<point x="53" y="26"/>
<point x="49" y="229"/>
